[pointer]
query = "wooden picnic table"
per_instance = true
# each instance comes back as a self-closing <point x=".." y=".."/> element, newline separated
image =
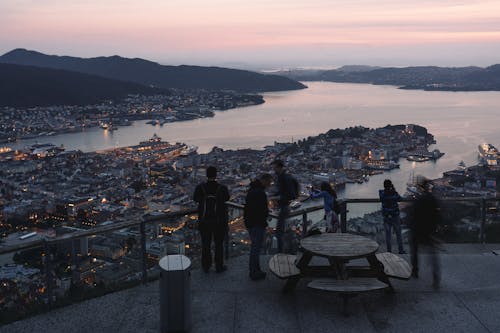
<point x="339" y="249"/>
<point x="338" y="276"/>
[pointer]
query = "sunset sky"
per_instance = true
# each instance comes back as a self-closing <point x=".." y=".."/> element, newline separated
<point x="260" y="33"/>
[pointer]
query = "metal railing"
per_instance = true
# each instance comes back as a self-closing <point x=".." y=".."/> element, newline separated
<point x="149" y="219"/>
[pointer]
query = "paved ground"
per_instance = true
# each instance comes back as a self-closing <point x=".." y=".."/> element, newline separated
<point x="468" y="301"/>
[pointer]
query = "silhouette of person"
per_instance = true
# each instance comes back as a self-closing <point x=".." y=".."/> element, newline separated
<point x="255" y="216"/>
<point x="424" y="220"/>
<point x="212" y="219"/>
<point x="284" y="194"/>
<point x="390" y="211"/>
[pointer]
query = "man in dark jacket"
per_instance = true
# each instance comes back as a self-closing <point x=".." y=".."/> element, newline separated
<point x="255" y="216"/>
<point x="212" y="219"/>
<point x="285" y="190"/>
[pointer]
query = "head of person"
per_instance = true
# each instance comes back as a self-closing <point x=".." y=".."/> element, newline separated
<point x="211" y="173"/>
<point x="388" y="186"/>
<point x="325" y="186"/>
<point x="278" y="166"/>
<point x="266" y="179"/>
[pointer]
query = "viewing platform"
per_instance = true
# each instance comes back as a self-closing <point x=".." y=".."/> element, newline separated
<point x="468" y="301"/>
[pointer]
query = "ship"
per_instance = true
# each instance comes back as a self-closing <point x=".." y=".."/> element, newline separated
<point x="295" y="204"/>
<point x="488" y="154"/>
<point x="381" y="164"/>
<point x="414" y="158"/>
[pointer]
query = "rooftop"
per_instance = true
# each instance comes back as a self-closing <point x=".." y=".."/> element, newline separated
<point x="468" y="301"/>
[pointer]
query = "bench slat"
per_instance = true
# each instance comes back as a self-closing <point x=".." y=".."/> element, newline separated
<point x="283" y="265"/>
<point x="394" y="266"/>
<point x="352" y="285"/>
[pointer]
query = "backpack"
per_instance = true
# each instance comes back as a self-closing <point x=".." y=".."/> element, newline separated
<point x="293" y="188"/>
<point x="209" y="204"/>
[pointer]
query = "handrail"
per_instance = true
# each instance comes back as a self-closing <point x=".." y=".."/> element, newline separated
<point x="96" y="231"/>
<point x="155" y="218"/>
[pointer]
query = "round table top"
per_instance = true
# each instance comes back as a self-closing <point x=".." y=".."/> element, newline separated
<point x="339" y="245"/>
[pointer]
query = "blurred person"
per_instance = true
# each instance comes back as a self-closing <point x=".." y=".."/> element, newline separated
<point x="212" y="219"/>
<point x="255" y="216"/>
<point x="389" y="198"/>
<point x="424" y="220"/>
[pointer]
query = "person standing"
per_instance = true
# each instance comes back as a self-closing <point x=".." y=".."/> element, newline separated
<point x="255" y="216"/>
<point x="390" y="211"/>
<point x="329" y="201"/>
<point x="286" y="193"/>
<point x="424" y="220"/>
<point x="212" y="219"/>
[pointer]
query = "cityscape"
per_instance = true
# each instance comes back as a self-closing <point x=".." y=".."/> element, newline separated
<point x="109" y="125"/>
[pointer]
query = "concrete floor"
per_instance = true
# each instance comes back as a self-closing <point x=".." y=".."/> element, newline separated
<point x="468" y="301"/>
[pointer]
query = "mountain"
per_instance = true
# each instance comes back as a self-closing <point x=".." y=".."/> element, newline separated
<point x="421" y="77"/>
<point x="27" y="86"/>
<point x="153" y="74"/>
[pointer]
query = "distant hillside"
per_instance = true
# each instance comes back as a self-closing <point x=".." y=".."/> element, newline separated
<point x="153" y="74"/>
<point x="423" y="77"/>
<point x="26" y="86"/>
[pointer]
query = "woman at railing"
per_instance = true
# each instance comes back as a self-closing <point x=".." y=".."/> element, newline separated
<point x="330" y="205"/>
<point x="390" y="211"/>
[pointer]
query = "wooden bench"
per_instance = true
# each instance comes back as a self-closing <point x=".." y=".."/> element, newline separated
<point x="347" y="288"/>
<point x="394" y="266"/>
<point x="283" y="265"/>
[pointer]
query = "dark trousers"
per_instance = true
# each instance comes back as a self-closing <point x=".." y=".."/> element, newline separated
<point x="284" y="210"/>
<point x="257" y="238"/>
<point x="417" y="242"/>
<point x="389" y="223"/>
<point x="212" y="232"/>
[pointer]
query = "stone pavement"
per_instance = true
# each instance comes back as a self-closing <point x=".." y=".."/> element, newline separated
<point x="468" y="301"/>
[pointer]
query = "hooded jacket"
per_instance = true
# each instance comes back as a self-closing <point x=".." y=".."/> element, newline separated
<point x="256" y="210"/>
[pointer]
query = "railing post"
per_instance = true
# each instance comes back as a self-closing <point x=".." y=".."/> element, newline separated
<point x="483" y="221"/>
<point x="304" y="224"/>
<point x="343" y="216"/>
<point x="48" y="271"/>
<point x="143" y="251"/>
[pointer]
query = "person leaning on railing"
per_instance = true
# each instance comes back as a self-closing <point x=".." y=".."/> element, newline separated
<point x="390" y="211"/>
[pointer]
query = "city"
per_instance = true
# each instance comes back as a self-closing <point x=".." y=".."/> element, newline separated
<point x="229" y="166"/>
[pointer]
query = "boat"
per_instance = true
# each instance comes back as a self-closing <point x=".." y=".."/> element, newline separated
<point x="416" y="158"/>
<point x="488" y="154"/>
<point x="381" y="164"/>
<point x="411" y="186"/>
<point x="295" y="204"/>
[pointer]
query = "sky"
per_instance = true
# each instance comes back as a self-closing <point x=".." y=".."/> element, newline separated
<point x="260" y="34"/>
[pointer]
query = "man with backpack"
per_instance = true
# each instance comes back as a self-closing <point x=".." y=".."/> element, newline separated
<point x="288" y="190"/>
<point x="212" y="219"/>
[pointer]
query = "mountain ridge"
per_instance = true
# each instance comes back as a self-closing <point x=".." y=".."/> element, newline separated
<point x="30" y="86"/>
<point x="150" y="73"/>
<point x="470" y="78"/>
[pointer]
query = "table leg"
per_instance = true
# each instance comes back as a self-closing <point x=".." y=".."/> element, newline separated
<point x="379" y="270"/>
<point x="339" y="268"/>
<point x="291" y="283"/>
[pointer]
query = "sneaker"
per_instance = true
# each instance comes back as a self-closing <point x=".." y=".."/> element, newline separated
<point x="258" y="276"/>
<point x="402" y="252"/>
<point x="221" y="269"/>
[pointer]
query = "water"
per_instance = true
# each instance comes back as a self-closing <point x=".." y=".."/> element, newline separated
<point x="459" y="120"/>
